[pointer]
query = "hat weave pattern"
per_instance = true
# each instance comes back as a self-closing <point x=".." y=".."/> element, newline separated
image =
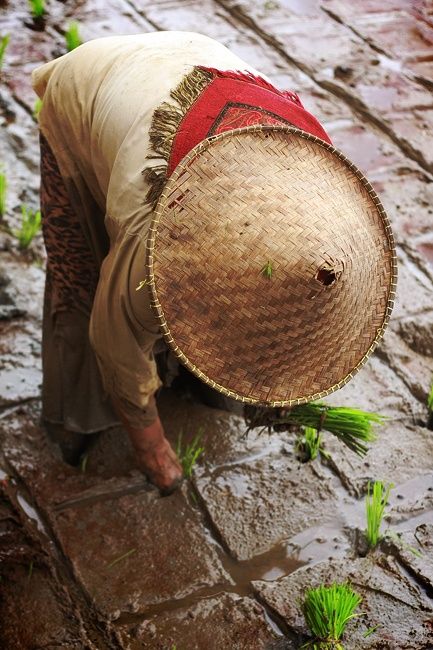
<point x="280" y="197"/>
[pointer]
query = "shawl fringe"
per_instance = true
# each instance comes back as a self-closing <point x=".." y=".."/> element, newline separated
<point x="168" y="117"/>
<point x="165" y="124"/>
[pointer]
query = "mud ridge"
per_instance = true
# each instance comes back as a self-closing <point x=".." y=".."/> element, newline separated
<point x="93" y="626"/>
<point x="422" y="81"/>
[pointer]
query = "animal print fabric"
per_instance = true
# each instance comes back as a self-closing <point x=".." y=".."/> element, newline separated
<point x="71" y="265"/>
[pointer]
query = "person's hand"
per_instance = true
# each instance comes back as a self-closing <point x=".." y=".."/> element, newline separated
<point x="154" y="454"/>
<point x="156" y="457"/>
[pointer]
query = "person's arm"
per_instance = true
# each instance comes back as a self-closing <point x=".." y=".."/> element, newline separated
<point x="123" y="332"/>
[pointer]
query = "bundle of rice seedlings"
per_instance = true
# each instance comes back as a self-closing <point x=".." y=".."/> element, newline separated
<point x="376" y="501"/>
<point x="327" y="611"/>
<point x="352" y="426"/>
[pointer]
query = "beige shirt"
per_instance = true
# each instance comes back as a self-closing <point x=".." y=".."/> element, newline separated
<point x="98" y="103"/>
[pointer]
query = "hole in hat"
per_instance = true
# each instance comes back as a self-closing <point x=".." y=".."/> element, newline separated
<point x="326" y="276"/>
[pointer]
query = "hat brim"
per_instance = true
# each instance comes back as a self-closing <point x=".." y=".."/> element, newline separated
<point x="271" y="265"/>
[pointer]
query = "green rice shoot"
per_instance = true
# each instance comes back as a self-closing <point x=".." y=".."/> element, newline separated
<point x="37" y="8"/>
<point x="327" y="611"/>
<point x="309" y="444"/>
<point x="3" y="192"/>
<point x="267" y="270"/>
<point x="37" y="108"/>
<point x="72" y="36"/>
<point x="4" y="41"/>
<point x="352" y="426"/>
<point x="190" y="453"/>
<point x="30" y="226"/>
<point x="430" y="399"/>
<point x="376" y="501"/>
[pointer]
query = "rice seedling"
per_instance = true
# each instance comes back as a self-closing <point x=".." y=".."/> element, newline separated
<point x="37" y="108"/>
<point x="267" y="270"/>
<point x="327" y="611"/>
<point x="3" y="192"/>
<point x="4" y="41"/>
<point x="371" y="630"/>
<point x="30" y="226"/>
<point x="430" y="398"/>
<point x="83" y="463"/>
<point x="309" y="444"/>
<point x="430" y="408"/>
<point x="189" y="454"/>
<point x="72" y="36"/>
<point x="376" y="501"/>
<point x="352" y="426"/>
<point x="122" y="557"/>
<point x="37" y="8"/>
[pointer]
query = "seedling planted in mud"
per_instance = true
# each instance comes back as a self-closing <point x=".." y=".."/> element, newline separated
<point x="83" y="463"/>
<point x="376" y="501"/>
<point x="72" y="36"/>
<point x="37" y="109"/>
<point x="430" y="398"/>
<point x="30" y="226"/>
<point x="309" y="444"/>
<point x="189" y="454"/>
<point x="4" y="41"/>
<point x="430" y="408"/>
<point x="327" y="611"/>
<point x="37" y="8"/>
<point x="3" y="192"/>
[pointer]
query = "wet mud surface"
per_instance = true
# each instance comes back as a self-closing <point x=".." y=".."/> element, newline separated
<point x="93" y="557"/>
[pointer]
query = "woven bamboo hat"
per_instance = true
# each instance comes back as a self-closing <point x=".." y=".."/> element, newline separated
<point x="271" y="265"/>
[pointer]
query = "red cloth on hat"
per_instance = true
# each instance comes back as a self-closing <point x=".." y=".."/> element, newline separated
<point x="237" y="99"/>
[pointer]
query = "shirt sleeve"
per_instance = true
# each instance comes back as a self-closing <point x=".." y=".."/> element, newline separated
<point x="123" y="329"/>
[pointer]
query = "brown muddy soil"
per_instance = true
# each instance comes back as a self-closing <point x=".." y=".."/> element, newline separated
<point x="93" y="557"/>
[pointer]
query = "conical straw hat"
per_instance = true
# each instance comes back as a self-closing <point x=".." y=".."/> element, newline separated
<point x="271" y="265"/>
